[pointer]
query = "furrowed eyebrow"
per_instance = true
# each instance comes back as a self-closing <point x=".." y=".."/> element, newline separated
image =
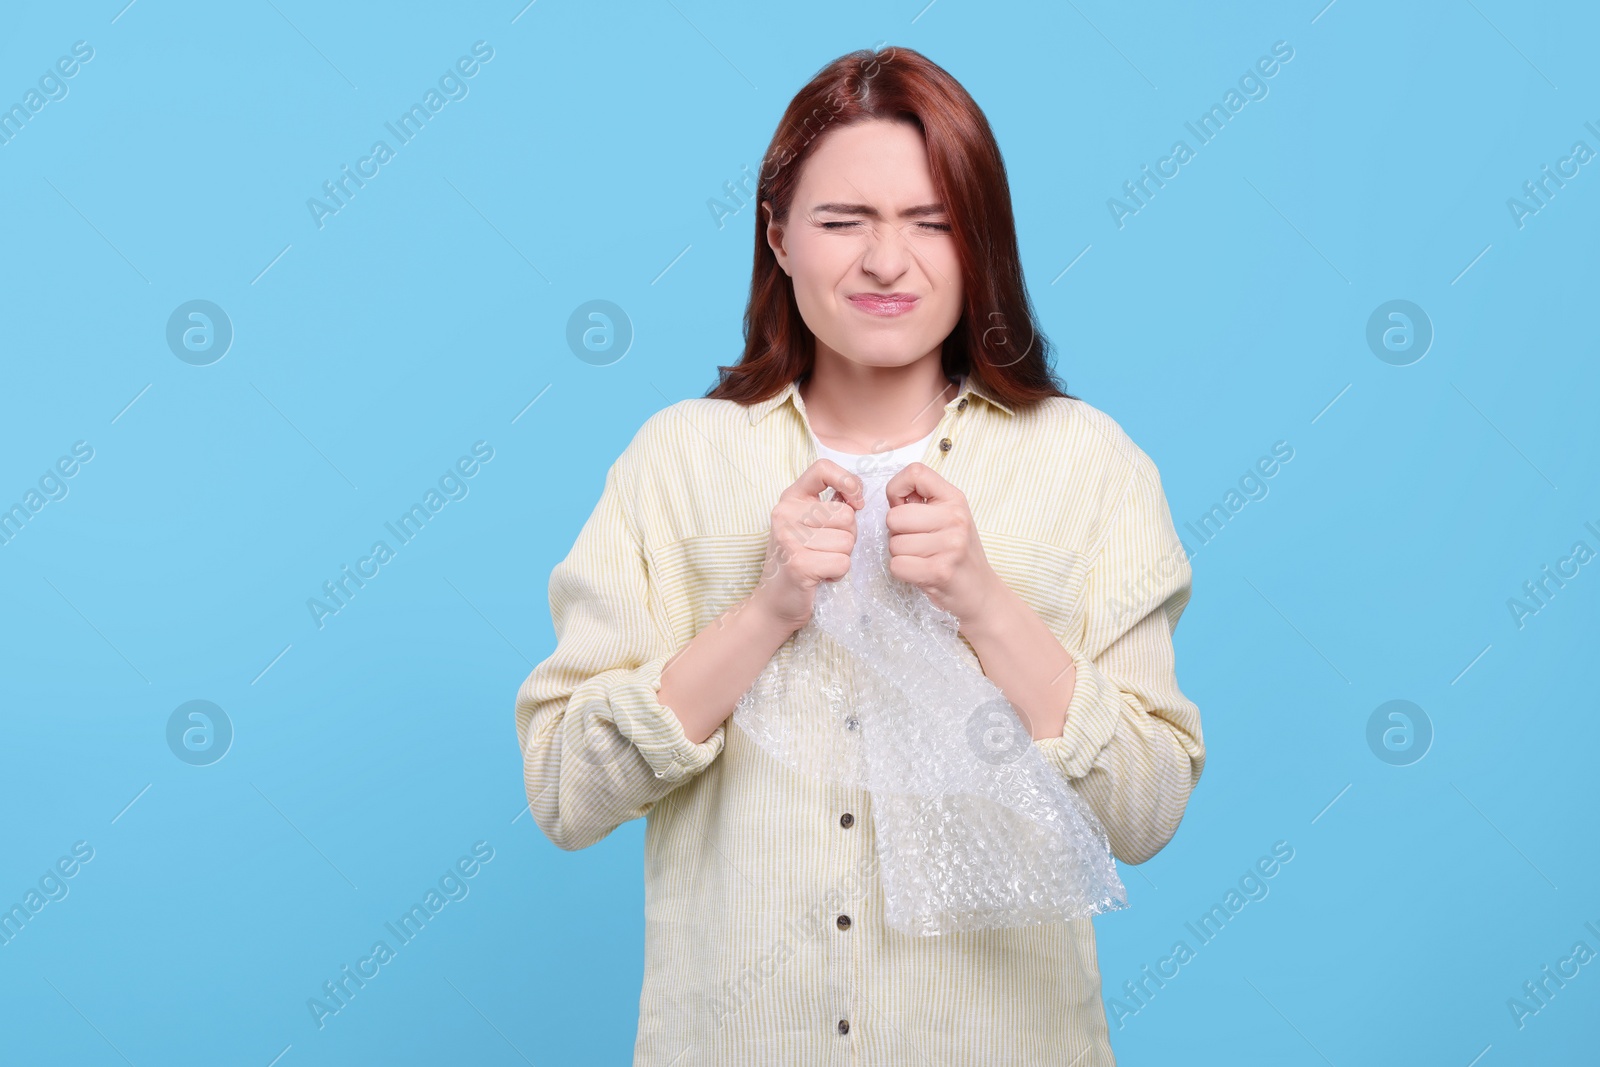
<point x="920" y="211"/>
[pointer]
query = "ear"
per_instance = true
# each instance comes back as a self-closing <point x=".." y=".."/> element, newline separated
<point x="775" y="237"/>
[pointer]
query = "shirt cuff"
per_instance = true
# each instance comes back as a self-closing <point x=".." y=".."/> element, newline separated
<point x="654" y="729"/>
<point x="1092" y="717"/>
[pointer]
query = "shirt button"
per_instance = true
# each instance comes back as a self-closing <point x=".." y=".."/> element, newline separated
<point x="844" y="1026"/>
<point x="847" y="820"/>
<point x="851" y="723"/>
<point x="962" y="405"/>
<point x="944" y="444"/>
<point x="844" y="922"/>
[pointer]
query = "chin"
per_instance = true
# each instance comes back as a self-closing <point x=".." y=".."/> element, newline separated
<point x="884" y="351"/>
<point x="875" y="358"/>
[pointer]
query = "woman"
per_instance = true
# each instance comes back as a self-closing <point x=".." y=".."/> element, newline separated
<point x="888" y="328"/>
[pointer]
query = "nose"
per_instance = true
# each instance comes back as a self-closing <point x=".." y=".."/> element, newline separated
<point x="888" y="254"/>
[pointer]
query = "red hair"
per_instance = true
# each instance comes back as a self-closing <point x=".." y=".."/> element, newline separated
<point x="997" y="340"/>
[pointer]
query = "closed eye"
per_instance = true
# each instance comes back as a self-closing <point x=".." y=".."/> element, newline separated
<point x="934" y="227"/>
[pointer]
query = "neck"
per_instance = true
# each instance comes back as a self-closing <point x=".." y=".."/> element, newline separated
<point x="861" y="409"/>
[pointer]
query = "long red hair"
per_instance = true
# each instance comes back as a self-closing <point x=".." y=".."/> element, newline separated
<point x="997" y="340"/>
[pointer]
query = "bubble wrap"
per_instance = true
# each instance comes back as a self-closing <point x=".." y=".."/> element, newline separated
<point x="975" y="830"/>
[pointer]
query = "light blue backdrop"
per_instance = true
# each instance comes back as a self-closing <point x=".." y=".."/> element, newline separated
<point x="365" y="755"/>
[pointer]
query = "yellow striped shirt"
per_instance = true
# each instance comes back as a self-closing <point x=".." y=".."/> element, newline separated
<point x="764" y="934"/>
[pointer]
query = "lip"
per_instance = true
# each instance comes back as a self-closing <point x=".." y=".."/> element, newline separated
<point x="884" y="305"/>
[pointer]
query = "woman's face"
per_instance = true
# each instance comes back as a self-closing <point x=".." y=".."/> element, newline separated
<point x="865" y="225"/>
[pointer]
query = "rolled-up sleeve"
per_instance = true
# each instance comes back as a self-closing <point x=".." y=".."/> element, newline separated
<point x="1132" y="744"/>
<point x="598" y="747"/>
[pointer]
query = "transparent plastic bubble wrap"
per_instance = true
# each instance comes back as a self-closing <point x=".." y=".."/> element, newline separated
<point x="975" y="830"/>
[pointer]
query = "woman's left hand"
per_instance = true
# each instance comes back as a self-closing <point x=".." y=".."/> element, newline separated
<point x="934" y="545"/>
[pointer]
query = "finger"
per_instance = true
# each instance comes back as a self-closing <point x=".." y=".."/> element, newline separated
<point x="913" y="516"/>
<point x="826" y="474"/>
<point x="823" y="539"/>
<point x="922" y="542"/>
<point x="816" y="513"/>
<point x="920" y="480"/>
<point x="925" y="545"/>
<point x="825" y="565"/>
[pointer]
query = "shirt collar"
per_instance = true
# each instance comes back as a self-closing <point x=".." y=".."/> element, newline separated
<point x="790" y="393"/>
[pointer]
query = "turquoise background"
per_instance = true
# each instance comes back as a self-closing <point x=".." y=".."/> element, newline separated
<point x="373" y="752"/>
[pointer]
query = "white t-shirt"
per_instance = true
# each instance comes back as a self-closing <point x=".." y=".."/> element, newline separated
<point x="891" y="460"/>
<point x="878" y="463"/>
<point x="876" y="468"/>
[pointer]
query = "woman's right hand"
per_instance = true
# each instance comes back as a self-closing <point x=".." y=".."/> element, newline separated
<point x="810" y="542"/>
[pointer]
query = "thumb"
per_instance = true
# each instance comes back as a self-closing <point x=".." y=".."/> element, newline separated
<point x="917" y="483"/>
